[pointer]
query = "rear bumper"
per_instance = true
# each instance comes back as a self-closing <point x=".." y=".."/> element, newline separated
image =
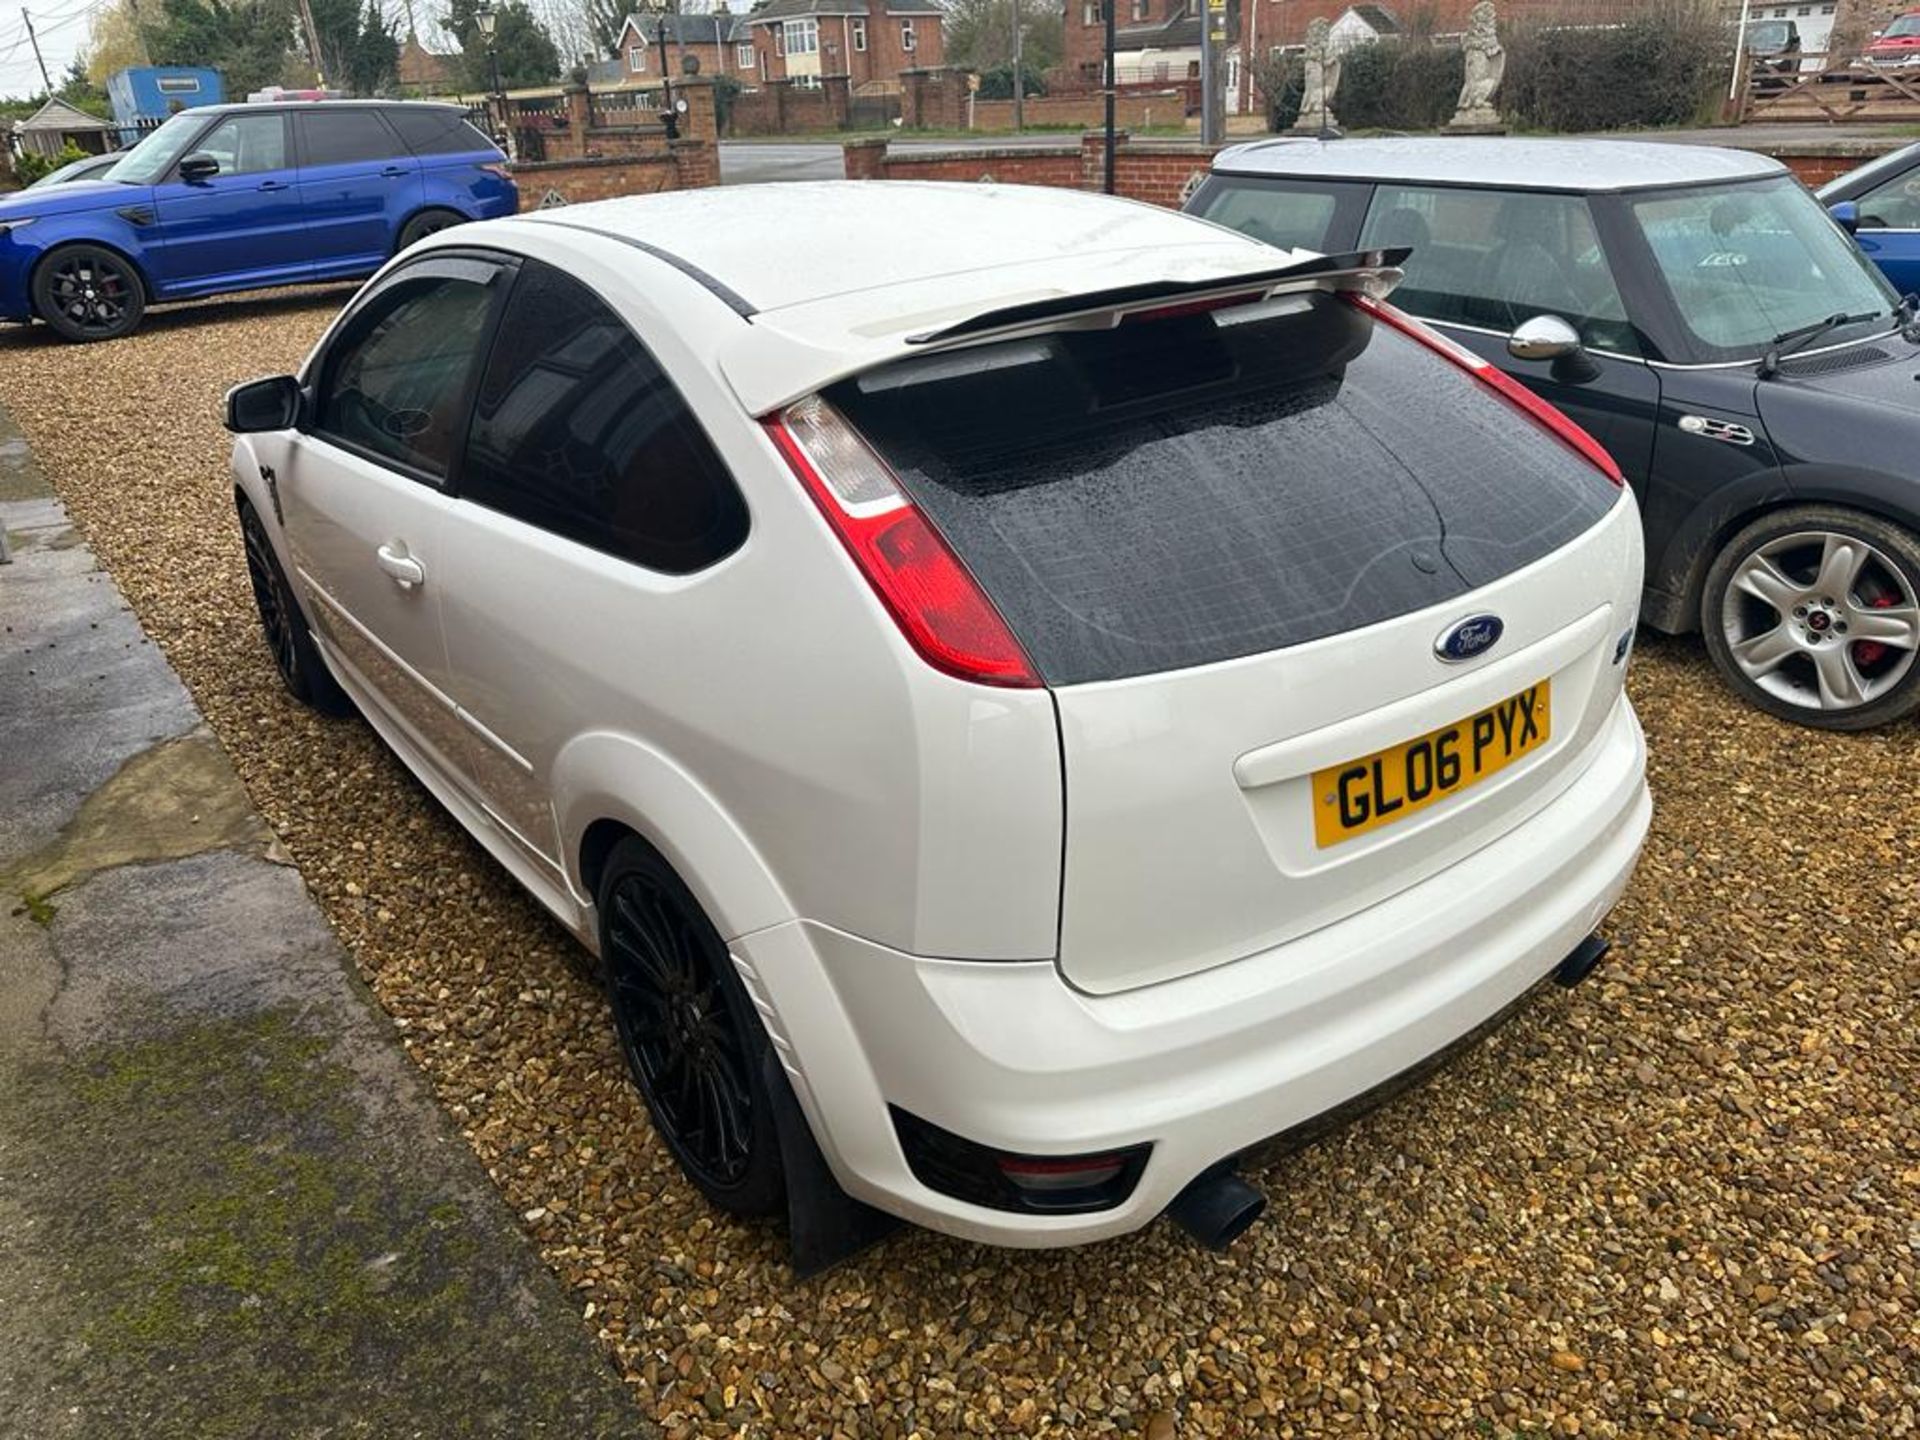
<point x="1009" y="1055"/>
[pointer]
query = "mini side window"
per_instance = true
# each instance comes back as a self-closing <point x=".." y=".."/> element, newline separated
<point x="577" y="430"/>
<point x="394" y="385"/>
<point x="1495" y="260"/>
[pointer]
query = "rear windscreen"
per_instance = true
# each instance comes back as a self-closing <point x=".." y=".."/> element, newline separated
<point x="1178" y="491"/>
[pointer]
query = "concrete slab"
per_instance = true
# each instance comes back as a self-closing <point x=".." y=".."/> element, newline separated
<point x="229" y="1205"/>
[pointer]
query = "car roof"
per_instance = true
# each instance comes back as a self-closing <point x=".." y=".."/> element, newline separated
<point x="1583" y="166"/>
<point x="230" y="107"/>
<point x="835" y="276"/>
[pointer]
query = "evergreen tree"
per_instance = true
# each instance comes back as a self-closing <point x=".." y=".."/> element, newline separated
<point x="526" y="52"/>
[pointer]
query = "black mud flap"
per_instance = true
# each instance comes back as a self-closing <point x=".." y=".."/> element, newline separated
<point x="825" y="1225"/>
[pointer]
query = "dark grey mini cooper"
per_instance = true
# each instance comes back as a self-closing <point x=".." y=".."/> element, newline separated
<point x="1701" y="315"/>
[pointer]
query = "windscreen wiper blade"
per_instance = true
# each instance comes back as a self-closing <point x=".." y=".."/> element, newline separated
<point x="1789" y="342"/>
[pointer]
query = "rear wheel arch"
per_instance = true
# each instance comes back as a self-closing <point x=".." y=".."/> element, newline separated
<point x="431" y="210"/>
<point x="606" y="786"/>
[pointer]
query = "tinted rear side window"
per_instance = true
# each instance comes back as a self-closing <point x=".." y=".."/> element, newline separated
<point x="338" y="137"/>
<point x="1293" y="214"/>
<point x="436" y="132"/>
<point x="1182" y="491"/>
<point x="578" y="430"/>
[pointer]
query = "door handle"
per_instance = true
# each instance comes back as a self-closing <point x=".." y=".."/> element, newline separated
<point x="406" y="571"/>
<point x="273" y="184"/>
<point x="394" y="170"/>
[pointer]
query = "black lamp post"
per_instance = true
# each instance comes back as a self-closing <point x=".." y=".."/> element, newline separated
<point x="486" y="19"/>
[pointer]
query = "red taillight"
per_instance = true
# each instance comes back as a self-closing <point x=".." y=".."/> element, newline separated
<point x="1079" y="1172"/>
<point x="1492" y="376"/>
<point x="938" y="605"/>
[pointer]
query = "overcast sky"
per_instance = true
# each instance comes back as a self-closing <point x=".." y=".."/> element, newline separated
<point x="62" y="28"/>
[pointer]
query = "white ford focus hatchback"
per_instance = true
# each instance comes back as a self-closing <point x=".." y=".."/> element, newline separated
<point x="1026" y="694"/>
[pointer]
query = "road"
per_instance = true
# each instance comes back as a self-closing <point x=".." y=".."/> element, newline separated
<point x="744" y="162"/>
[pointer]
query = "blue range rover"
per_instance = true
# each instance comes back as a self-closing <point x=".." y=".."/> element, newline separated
<point x="235" y="197"/>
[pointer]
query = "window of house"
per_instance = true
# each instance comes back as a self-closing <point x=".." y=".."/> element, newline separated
<point x="860" y="35"/>
<point x="802" y="36"/>
<point x="636" y="58"/>
<point x="1092" y="14"/>
<point x="1140" y="9"/>
<point x="577" y="430"/>
<point x="1496" y="260"/>
<point x="906" y="36"/>
<point x="743" y="56"/>
<point x="393" y="386"/>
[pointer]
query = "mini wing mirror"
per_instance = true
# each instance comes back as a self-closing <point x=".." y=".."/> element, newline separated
<point x="1846" y="214"/>
<point x="258" y="405"/>
<point x="1549" y="338"/>
<point x="199" y="166"/>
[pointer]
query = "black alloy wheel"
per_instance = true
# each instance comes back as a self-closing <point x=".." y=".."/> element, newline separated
<point x="688" y="1032"/>
<point x="87" y="292"/>
<point x="427" y="222"/>
<point x="295" y="656"/>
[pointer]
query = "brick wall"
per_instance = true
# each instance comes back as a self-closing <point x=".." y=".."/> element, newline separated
<point x="1132" y="112"/>
<point x="682" y="165"/>
<point x="1157" y="172"/>
<point x="934" y="99"/>
<point x="781" y="107"/>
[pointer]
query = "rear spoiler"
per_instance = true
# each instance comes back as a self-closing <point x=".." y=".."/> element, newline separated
<point x="1368" y="270"/>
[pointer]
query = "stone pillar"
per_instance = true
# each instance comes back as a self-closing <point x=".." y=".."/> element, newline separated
<point x="579" y="109"/>
<point x="779" y="89"/>
<point x="696" y="163"/>
<point x="700" y="121"/>
<point x="839" y="92"/>
<point x="913" y="89"/>
<point x="866" y="158"/>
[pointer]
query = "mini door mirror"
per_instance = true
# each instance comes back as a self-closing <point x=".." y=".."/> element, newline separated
<point x="270" y="404"/>
<point x="1846" y="215"/>
<point x="199" y="166"/>
<point x="1545" y="337"/>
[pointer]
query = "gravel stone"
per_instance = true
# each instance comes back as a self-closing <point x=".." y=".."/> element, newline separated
<point x="1683" y="1199"/>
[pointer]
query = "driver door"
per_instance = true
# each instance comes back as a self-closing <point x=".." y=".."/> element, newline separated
<point x="1485" y="262"/>
<point x="363" y="489"/>
<point x="240" y="226"/>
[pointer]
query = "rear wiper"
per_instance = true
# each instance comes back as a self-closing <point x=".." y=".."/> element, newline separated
<point x="1787" y="342"/>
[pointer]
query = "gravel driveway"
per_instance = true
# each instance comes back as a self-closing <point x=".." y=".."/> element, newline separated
<point x="1683" y="1199"/>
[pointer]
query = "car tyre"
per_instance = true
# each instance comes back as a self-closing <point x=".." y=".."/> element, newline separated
<point x="88" y="292"/>
<point x="1812" y="613"/>
<point x="427" y="222"/>
<point x="690" y="1036"/>
<point x="302" y="669"/>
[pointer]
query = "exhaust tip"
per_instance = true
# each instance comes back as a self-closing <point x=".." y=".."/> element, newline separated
<point x="1584" y="960"/>
<point x="1217" y="1208"/>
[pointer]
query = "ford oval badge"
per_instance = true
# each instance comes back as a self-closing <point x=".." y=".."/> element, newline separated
<point x="1472" y="637"/>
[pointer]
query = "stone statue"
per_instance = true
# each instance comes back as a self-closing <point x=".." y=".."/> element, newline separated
<point x="1486" y="64"/>
<point x="1323" y="79"/>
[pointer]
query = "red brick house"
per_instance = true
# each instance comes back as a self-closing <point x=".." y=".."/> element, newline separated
<point x="719" y="40"/>
<point x="869" y="41"/>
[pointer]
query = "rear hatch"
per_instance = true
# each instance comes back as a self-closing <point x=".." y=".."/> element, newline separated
<point x="1230" y="541"/>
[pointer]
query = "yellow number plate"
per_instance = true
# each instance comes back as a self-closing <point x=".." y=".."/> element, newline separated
<point x="1403" y="780"/>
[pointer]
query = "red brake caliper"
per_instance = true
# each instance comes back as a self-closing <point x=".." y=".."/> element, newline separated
<point x="1868" y="653"/>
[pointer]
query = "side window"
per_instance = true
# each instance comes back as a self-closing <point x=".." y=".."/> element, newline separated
<point x="340" y="137"/>
<point x="428" y="131"/>
<point x="1496" y="259"/>
<point x="1294" y="215"/>
<point x="1894" y="204"/>
<point x="578" y="430"/>
<point x="394" y="384"/>
<point x="248" y="144"/>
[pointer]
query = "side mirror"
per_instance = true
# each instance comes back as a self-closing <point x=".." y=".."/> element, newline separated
<point x="1846" y="214"/>
<point x="260" y="405"/>
<point x="198" y="166"/>
<point x="1549" y="338"/>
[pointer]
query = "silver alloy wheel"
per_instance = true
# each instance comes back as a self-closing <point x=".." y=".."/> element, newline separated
<point x="1836" y="625"/>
